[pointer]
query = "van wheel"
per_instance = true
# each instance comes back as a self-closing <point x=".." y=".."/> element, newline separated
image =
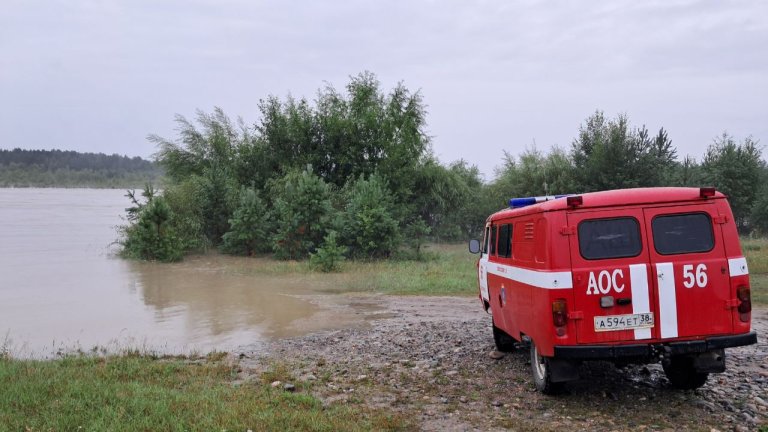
<point x="503" y="341"/>
<point x="542" y="373"/>
<point x="682" y="375"/>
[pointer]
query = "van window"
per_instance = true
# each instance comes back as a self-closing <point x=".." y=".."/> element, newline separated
<point x="609" y="238"/>
<point x="682" y="233"/>
<point x="505" y="238"/>
<point x="493" y="240"/>
<point x="485" y="240"/>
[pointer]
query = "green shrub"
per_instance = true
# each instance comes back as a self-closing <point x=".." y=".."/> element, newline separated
<point x="249" y="226"/>
<point x="150" y="234"/>
<point x="369" y="228"/>
<point x="302" y="212"/>
<point x="416" y="234"/>
<point x="329" y="257"/>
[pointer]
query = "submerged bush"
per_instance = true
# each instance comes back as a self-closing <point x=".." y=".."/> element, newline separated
<point x="150" y="234"/>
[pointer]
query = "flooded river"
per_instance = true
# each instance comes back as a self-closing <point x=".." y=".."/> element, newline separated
<point x="63" y="288"/>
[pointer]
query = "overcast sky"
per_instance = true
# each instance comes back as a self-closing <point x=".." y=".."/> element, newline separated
<point x="99" y="76"/>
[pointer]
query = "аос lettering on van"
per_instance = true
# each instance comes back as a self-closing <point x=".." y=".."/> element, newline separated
<point x="630" y="276"/>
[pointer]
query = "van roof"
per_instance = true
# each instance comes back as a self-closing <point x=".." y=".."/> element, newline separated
<point x="616" y="197"/>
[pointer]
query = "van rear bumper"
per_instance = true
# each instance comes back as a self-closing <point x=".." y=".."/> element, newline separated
<point x="639" y="351"/>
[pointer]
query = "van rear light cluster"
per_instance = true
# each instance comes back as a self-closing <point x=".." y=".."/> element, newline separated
<point x="745" y="302"/>
<point x="707" y="192"/>
<point x="559" y="316"/>
<point x="574" y="200"/>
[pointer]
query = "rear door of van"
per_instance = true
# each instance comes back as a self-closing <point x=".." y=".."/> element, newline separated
<point x="613" y="294"/>
<point x="690" y="268"/>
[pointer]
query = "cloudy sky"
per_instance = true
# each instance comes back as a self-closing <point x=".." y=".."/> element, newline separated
<point x="99" y="76"/>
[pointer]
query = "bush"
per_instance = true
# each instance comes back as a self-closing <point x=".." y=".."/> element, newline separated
<point x="151" y="235"/>
<point x="329" y="257"/>
<point x="249" y="226"/>
<point x="416" y="234"/>
<point x="370" y="230"/>
<point x="303" y="214"/>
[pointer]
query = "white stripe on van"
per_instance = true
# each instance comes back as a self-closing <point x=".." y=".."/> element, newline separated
<point x="638" y="277"/>
<point x="537" y="278"/>
<point x="667" y="300"/>
<point x="738" y="266"/>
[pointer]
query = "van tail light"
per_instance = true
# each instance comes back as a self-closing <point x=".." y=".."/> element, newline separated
<point x="707" y="192"/>
<point x="745" y="302"/>
<point x="559" y="316"/>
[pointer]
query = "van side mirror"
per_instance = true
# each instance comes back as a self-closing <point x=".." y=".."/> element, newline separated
<point x="474" y="246"/>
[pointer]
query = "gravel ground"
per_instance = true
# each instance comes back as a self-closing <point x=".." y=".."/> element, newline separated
<point x="432" y="360"/>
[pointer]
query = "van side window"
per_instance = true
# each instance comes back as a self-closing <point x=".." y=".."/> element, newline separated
<point x="609" y="238"/>
<point x="505" y="238"/>
<point x="682" y="233"/>
<point x="493" y="240"/>
<point x="485" y="240"/>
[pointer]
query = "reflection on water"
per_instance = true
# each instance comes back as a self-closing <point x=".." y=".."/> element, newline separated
<point x="61" y="286"/>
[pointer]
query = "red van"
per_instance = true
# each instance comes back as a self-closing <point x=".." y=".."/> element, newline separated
<point x="629" y="276"/>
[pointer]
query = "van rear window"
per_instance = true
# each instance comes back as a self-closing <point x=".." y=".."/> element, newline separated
<point x="682" y="233"/>
<point x="609" y="238"/>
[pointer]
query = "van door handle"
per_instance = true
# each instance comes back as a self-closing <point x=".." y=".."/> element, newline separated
<point x="623" y="301"/>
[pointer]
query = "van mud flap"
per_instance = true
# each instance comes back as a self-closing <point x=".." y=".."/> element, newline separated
<point x="563" y="370"/>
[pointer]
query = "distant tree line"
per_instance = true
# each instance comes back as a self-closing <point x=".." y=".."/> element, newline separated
<point x="352" y="175"/>
<point x="60" y="168"/>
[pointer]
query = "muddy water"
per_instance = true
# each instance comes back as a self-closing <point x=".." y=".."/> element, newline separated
<point x="63" y="288"/>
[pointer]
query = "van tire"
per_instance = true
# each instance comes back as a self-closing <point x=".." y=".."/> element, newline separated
<point x="681" y="373"/>
<point x="542" y="373"/>
<point x="503" y="341"/>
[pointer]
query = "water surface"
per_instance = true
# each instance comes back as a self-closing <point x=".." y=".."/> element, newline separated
<point x="63" y="288"/>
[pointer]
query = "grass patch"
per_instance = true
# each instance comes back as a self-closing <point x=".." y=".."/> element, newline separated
<point x="446" y="270"/>
<point x="756" y="252"/>
<point x="759" y="285"/>
<point x="129" y="393"/>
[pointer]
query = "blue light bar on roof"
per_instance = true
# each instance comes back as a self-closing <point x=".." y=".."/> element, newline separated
<point x="523" y="202"/>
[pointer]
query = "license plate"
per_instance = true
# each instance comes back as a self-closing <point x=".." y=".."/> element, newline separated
<point x="623" y="322"/>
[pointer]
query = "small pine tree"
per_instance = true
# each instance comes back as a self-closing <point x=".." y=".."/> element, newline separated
<point x="152" y="236"/>
<point x="303" y="214"/>
<point x="369" y="229"/>
<point x="249" y="226"/>
<point x="329" y="256"/>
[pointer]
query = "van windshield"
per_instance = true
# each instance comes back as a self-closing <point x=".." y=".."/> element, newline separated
<point x="682" y="233"/>
<point x="609" y="238"/>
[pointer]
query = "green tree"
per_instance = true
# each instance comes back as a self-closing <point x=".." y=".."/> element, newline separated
<point x="330" y="255"/>
<point x="609" y="154"/>
<point x="686" y="173"/>
<point x="734" y="169"/>
<point x="369" y="227"/>
<point x="249" y="232"/>
<point x="150" y="234"/>
<point x="302" y="213"/>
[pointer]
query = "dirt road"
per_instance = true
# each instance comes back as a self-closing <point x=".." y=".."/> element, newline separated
<point x="429" y="358"/>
